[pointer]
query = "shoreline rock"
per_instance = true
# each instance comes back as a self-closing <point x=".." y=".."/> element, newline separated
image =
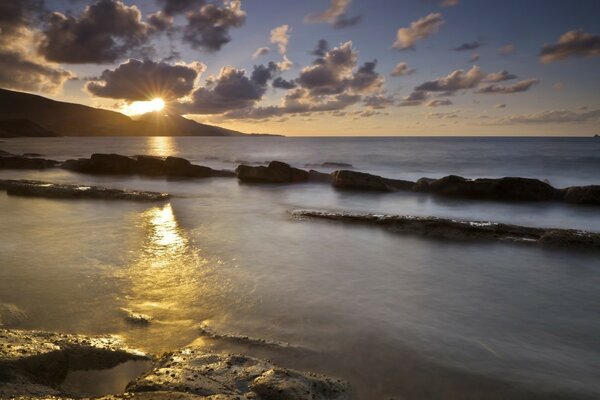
<point x="354" y="180"/>
<point x="116" y="164"/>
<point x="30" y="188"/>
<point x="275" y="172"/>
<point x="26" y="161"/>
<point x="35" y="363"/>
<point x="463" y="230"/>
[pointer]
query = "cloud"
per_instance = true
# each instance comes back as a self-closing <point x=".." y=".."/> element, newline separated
<point x="553" y="117"/>
<point x="558" y="86"/>
<point x="378" y="101"/>
<point x="21" y="67"/>
<point x="172" y="7"/>
<point x="446" y="115"/>
<point x="104" y="32"/>
<point x="468" y="46"/>
<point x="575" y="43"/>
<point x="281" y="83"/>
<point x="502" y="105"/>
<point x="506" y="50"/>
<point x="454" y="81"/>
<point x="208" y="27"/>
<point x="438" y="102"/>
<point x="281" y="36"/>
<point x="321" y="49"/>
<point x="160" y="21"/>
<point x="143" y="80"/>
<point x="402" y="69"/>
<point x="261" y="51"/>
<point x="474" y="57"/>
<point x="418" y="30"/>
<point x="335" y="15"/>
<point x="285" y="64"/>
<point x="416" y="98"/>
<point x="521" y="86"/>
<point x="500" y="76"/>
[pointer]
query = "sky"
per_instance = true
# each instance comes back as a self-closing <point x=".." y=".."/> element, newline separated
<point x="318" y="67"/>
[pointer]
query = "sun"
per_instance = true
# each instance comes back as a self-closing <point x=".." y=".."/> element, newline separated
<point x="143" y="107"/>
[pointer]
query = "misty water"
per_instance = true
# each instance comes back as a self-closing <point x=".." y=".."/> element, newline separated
<point x="396" y="315"/>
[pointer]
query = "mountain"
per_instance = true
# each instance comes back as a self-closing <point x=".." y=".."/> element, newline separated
<point x="23" y="127"/>
<point x="69" y="119"/>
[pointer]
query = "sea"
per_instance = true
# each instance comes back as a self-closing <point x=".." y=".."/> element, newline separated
<point x="223" y="265"/>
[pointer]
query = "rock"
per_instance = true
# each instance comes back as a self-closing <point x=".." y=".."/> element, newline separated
<point x="582" y="194"/>
<point x="9" y="161"/>
<point x="115" y="164"/>
<point x="136" y="318"/>
<point x="11" y="315"/>
<point x="34" y="363"/>
<point x="353" y="180"/>
<point x="275" y="172"/>
<point x="464" y="230"/>
<point x="191" y="371"/>
<point x="63" y="191"/>
<point x="316" y="176"/>
<point x="510" y="188"/>
<point x="422" y="185"/>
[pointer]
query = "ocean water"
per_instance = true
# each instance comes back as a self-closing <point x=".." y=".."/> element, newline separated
<point x="398" y="316"/>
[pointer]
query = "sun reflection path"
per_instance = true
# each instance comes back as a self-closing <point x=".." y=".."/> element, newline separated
<point x="172" y="282"/>
<point x="162" y="146"/>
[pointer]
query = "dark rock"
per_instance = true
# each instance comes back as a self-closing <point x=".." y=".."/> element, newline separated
<point x="511" y="189"/>
<point x="422" y="185"/>
<point x="582" y="194"/>
<point x="136" y="318"/>
<point x="353" y="180"/>
<point x="316" y="176"/>
<point x="275" y="172"/>
<point x="192" y="371"/>
<point x="62" y="191"/>
<point x="115" y="164"/>
<point x="465" y="230"/>
<point x="9" y="161"/>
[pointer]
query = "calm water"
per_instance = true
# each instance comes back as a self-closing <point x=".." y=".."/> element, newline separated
<point x="398" y="316"/>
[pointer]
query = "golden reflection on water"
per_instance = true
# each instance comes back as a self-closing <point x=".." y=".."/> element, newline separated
<point x="162" y="146"/>
<point x="170" y="281"/>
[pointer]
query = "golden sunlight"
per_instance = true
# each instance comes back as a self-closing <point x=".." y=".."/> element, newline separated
<point x="143" y="107"/>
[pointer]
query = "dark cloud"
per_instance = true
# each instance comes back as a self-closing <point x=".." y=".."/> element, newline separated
<point x="105" y="31"/>
<point x="208" y="27"/>
<point x="263" y="74"/>
<point x="366" y="78"/>
<point x="281" y="83"/>
<point x="454" y="81"/>
<point x="468" y="46"/>
<point x="160" y="21"/>
<point x="500" y="76"/>
<point x="521" y="86"/>
<point x="416" y="98"/>
<point x="575" y="43"/>
<point x="15" y="14"/>
<point x="144" y="80"/>
<point x="418" y="30"/>
<point x="336" y="15"/>
<point x="379" y="102"/>
<point x="438" y="102"/>
<point x="321" y="49"/>
<point x="172" y="7"/>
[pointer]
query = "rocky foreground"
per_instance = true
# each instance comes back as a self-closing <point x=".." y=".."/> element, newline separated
<point x="464" y="230"/>
<point x="34" y="364"/>
<point x="30" y="188"/>
<point x="512" y="189"/>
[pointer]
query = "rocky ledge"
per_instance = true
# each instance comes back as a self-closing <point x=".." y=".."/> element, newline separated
<point x="502" y="189"/>
<point x="33" y="364"/>
<point x="116" y="164"/>
<point x="464" y="230"/>
<point x="62" y="191"/>
<point x="26" y="161"/>
<point x="278" y="172"/>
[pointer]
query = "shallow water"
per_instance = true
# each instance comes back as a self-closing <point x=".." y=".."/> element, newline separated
<point x="396" y="315"/>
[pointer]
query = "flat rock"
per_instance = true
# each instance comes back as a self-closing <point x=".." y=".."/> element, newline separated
<point x="191" y="371"/>
<point x="354" y="180"/>
<point x="116" y="164"/>
<point x="582" y="194"/>
<point x="464" y="230"/>
<point x="275" y="172"/>
<point x="11" y="161"/>
<point x="63" y="191"/>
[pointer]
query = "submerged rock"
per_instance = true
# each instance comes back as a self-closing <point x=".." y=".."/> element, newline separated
<point x="464" y="230"/>
<point x="116" y="164"/>
<point x="11" y="315"/>
<point x="275" y="172"/>
<point x="136" y="318"/>
<point x="191" y="371"/>
<point x="11" y="161"/>
<point x="64" y="191"/>
<point x="35" y="363"/>
<point x="354" y="180"/>
<point x="582" y="194"/>
<point x="510" y="188"/>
